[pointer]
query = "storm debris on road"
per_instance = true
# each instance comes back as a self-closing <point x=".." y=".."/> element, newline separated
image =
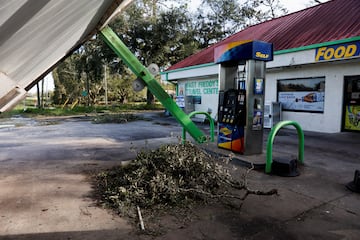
<point x="170" y="176"/>
<point x="116" y="118"/>
<point x="169" y="180"/>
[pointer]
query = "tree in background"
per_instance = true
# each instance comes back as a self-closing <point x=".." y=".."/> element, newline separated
<point x="121" y="89"/>
<point x="156" y="31"/>
<point x="216" y="20"/>
<point x="67" y="81"/>
<point x="155" y="34"/>
<point x="275" y="9"/>
<point x="80" y="78"/>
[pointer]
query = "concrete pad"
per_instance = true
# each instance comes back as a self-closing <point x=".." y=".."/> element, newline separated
<point x="286" y="205"/>
<point x="326" y="222"/>
<point x="49" y="201"/>
<point x="349" y="203"/>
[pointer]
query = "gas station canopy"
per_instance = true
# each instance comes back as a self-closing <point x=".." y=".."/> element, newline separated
<point x="36" y="34"/>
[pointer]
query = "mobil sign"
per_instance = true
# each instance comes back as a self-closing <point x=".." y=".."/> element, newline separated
<point x="339" y="51"/>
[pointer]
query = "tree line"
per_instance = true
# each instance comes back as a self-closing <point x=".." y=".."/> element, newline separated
<point x="156" y="31"/>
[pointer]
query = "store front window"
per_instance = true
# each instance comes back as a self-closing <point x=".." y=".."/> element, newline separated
<point x="302" y="94"/>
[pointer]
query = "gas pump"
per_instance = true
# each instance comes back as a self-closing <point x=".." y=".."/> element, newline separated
<point x="231" y="119"/>
<point x="241" y="95"/>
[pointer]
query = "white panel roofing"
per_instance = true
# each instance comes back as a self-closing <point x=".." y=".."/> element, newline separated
<point x="36" y="34"/>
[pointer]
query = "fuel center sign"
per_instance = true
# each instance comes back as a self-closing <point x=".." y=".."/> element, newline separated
<point x="339" y="51"/>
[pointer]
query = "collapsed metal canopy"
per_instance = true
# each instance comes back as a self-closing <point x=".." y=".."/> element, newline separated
<point x="36" y="34"/>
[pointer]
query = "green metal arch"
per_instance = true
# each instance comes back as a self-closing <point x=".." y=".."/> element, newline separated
<point x="211" y="121"/>
<point x="271" y="138"/>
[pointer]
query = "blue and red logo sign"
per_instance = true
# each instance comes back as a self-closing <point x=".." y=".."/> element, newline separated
<point x="243" y="50"/>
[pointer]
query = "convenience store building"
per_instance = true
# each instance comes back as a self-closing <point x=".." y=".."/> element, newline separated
<point x="315" y="73"/>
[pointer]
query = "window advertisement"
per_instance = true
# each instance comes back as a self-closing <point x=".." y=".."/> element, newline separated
<point x="302" y="95"/>
<point x="202" y="95"/>
<point x="352" y="103"/>
<point x="198" y="88"/>
<point x="352" y="118"/>
<point x="180" y="101"/>
<point x="259" y="86"/>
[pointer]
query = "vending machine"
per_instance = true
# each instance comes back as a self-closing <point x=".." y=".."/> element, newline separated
<point x="241" y="95"/>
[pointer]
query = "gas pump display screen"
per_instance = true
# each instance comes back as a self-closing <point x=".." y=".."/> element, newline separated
<point x="232" y="107"/>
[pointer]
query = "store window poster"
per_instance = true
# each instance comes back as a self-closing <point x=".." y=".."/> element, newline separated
<point x="352" y="118"/>
<point x="306" y="95"/>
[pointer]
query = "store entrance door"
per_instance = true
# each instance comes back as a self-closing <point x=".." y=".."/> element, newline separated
<point x="351" y="108"/>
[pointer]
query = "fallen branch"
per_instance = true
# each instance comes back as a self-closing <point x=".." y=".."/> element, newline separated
<point x="258" y="192"/>
<point x="169" y="176"/>
<point x="142" y="227"/>
<point x="255" y="192"/>
<point x="210" y="195"/>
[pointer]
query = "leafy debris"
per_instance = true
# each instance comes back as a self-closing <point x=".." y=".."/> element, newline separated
<point x="170" y="176"/>
<point x="116" y="118"/>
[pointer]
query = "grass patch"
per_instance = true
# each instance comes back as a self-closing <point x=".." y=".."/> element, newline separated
<point x="80" y="110"/>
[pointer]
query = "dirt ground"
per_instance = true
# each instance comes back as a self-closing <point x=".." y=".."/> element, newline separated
<point x="46" y="192"/>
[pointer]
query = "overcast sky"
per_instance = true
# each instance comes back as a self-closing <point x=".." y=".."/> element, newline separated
<point x="296" y="5"/>
<point x="291" y="5"/>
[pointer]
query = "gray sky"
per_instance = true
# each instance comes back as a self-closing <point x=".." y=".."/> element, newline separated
<point x="291" y="5"/>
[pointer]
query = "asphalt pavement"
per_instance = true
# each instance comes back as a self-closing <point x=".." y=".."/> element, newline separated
<point x="43" y="188"/>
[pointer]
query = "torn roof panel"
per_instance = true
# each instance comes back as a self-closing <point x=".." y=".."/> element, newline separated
<point x="37" y="34"/>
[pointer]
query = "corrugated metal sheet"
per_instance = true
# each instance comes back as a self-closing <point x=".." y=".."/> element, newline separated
<point x="36" y="35"/>
<point x="330" y="21"/>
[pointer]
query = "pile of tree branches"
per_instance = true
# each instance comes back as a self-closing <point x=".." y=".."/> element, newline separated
<point x="171" y="175"/>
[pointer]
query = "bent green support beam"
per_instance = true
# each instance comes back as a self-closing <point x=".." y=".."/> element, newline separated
<point x="271" y="138"/>
<point x="141" y="71"/>
<point x="211" y="121"/>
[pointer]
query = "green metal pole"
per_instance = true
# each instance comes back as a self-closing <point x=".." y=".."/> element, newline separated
<point x="141" y="71"/>
<point x="271" y="138"/>
<point x="211" y="122"/>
